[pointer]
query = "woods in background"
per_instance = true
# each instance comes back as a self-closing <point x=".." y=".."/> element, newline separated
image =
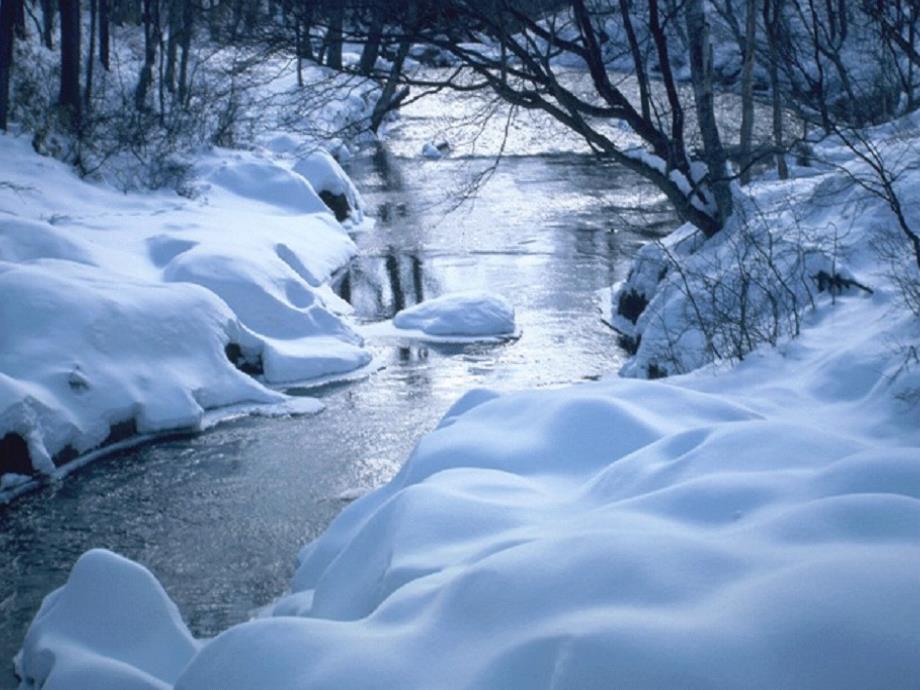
<point x="656" y="67"/>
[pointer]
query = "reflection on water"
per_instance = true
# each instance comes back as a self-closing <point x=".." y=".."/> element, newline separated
<point x="219" y="517"/>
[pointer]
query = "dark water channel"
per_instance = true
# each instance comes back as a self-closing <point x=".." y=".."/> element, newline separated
<point x="220" y="516"/>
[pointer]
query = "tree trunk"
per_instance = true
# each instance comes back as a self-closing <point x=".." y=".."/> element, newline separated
<point x="105" y="37"/>
<point x="7" y="29"/>
<point x="701" y="74"/>
<point x="172" y="45"/>
<point x="747" y="90"/>
<point x="185" y="44"/>
<point x="48" y="23"/>
<point x="372" y="46"/>
<point x="20" y="8"/>
<point x="69" y="98"/>
<point x="151" y="39"/>
<point x="771" y="14"/>
<point x="387" y="99"/>
<point x="91" y="58"/>
<point x="334" y="37"/>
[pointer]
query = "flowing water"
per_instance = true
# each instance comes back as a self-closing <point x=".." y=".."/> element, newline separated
<point x="219" y="517"/>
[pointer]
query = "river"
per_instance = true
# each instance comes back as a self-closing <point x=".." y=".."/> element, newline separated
<point x="219" y="517"/>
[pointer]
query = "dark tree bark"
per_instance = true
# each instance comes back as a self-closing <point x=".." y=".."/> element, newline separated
<point x="372" y="44"/>
<point x="389" y="99"/>
<point x="334" y="37"/>
<point x="185" y="46"/>
<point x="7" y="29"/>
<point x="174" y="18"/>
<point x="772" y="11"/>
<point x="48" y="23"/>
<point x="69" y="98"/>
<point x="701" y="75"/>
<point x="747" y="89"/>
<point x="91" y="58"/>
<point x="20" y="7"/>
<point x="105" y="38"/>
<point x="151" y="41"/>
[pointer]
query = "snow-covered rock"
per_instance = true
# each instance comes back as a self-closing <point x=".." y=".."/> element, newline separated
<point x="455" y="317"/>
<point x="432" y="152"/>
<point x="86" y="634"/>
<point x="333" y="185"/>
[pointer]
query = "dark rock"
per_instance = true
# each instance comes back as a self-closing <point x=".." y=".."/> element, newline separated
<point x="14" y="455"/>
<point x="337" y="203"/>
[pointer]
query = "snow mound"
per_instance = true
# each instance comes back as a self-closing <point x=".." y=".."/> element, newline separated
<point x="86" y="634"/>
<point x="268" y="183"/>
<point x="334" y="186"/>
<point x="132" y="314"/>
<point x="454" y="317"/>
<point x="76" y="349"/>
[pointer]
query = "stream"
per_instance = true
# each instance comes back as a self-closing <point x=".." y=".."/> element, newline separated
<point x="219" y="517"/>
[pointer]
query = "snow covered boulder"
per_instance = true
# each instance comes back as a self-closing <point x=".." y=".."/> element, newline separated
<point x="332" y="184"/>
<point x="460" y="313"/>
<point x="434" y="151"/>
<point x="110" y="627"/>
<point x="454" y="317"/>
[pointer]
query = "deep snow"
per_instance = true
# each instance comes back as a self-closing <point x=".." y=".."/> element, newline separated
<point x="755" y="528"/>
<point x="121" y="313"/>
<point x="755" y="525"/>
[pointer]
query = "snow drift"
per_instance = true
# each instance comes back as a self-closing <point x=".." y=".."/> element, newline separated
<point x="741" y="530"/>
<point x="128" y="314"/>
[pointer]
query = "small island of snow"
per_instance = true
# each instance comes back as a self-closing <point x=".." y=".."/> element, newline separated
<point x="455" y="317"/>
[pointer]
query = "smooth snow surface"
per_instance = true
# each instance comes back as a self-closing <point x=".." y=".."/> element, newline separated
<point x="455" y="317"/>
<point x="757" y="528"/>
<point x="117" y="308"/>
<point x="86" y="634"/>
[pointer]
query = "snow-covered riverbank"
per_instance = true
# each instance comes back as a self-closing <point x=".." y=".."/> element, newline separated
<point x="755" y="525"/>
<point x="134" y="314"/>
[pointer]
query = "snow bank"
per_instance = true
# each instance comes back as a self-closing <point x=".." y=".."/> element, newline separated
<point x="86" y="634"/>
<point x="472" y="316"/>
<point x="689" y="301"/>
<point x="128" y="314"/>
<point x="624" y="532"/>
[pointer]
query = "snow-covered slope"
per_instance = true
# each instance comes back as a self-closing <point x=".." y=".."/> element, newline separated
<point x="130" y="313"/>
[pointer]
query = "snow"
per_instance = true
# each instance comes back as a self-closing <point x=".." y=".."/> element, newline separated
<point x="86" y="633"/>
<point x="432" y="152"/>
<point x="456" y="317"/>
<point x="324" y="174"/>
<point x="755" y="528"/>
<point x="120" y="310"/>
<point x="748" y="524"/>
